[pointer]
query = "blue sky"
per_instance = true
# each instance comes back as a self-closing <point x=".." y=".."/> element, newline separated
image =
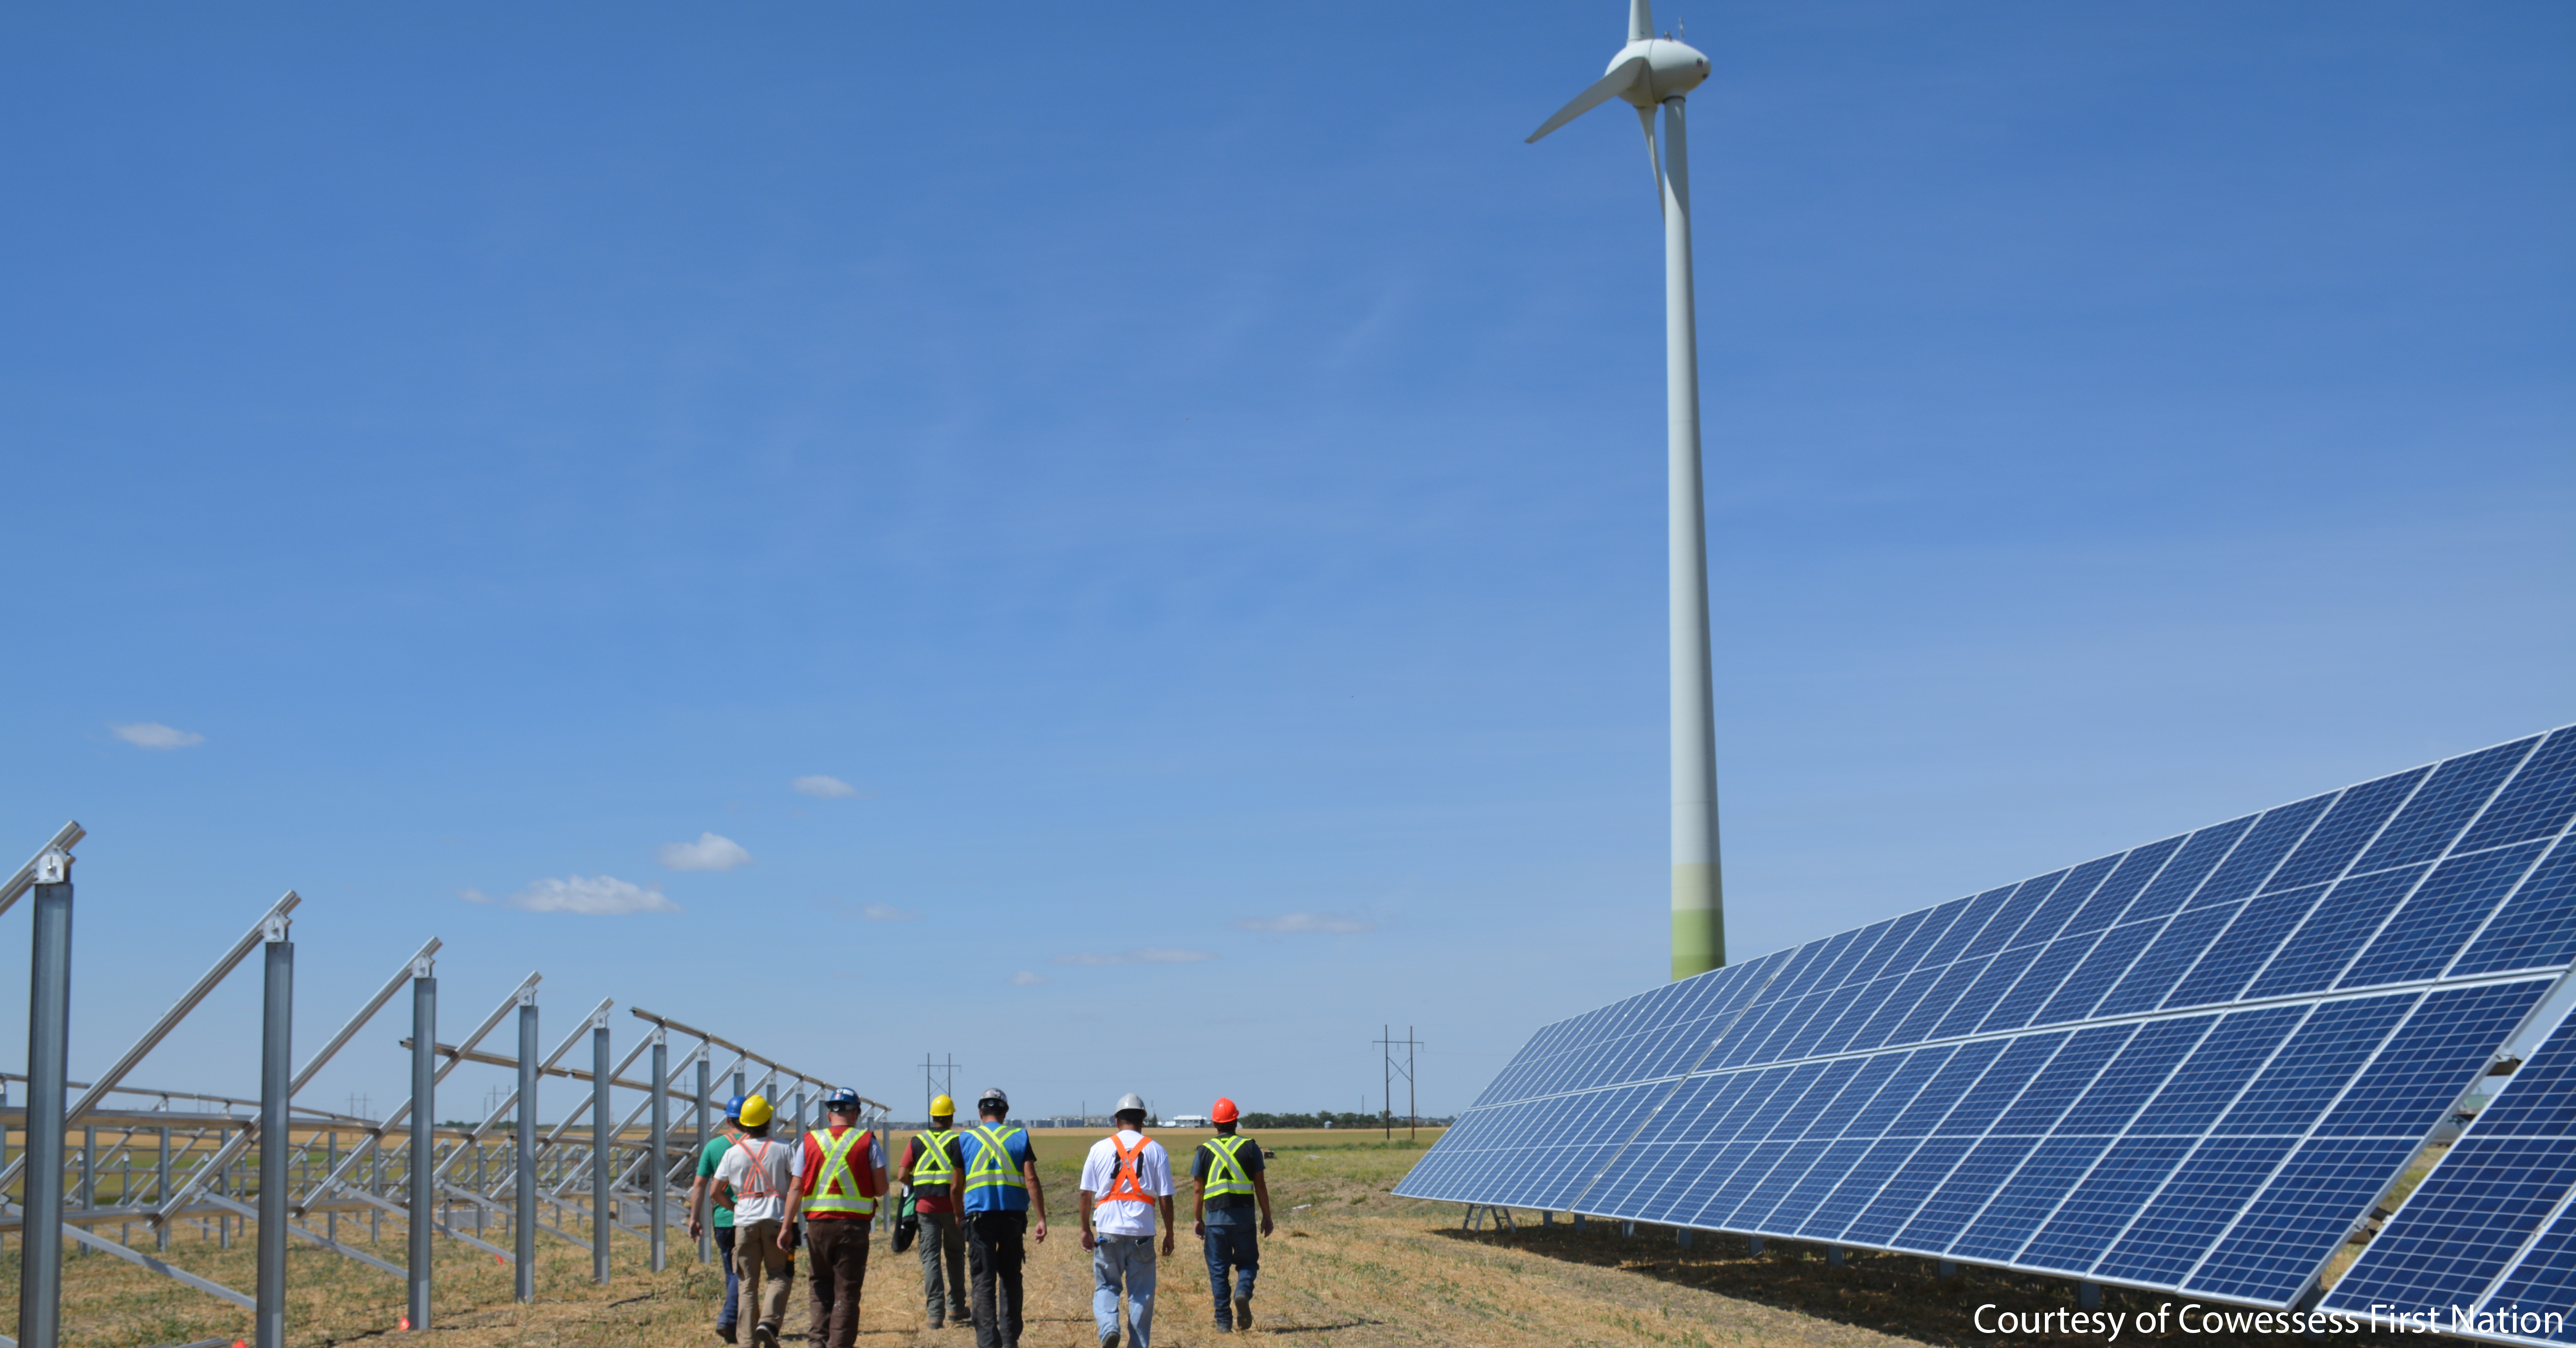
<point x="1196" y="476"/>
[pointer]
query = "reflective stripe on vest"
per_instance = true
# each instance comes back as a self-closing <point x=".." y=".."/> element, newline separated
<point x="931" y="1166"/>
<point x="1225" y="1172"/>
<point x="755" y="1177"/>
<point x="837" y="1186"/>
<point x="1126" y="1183"/>
<point x="993" y="1167"/>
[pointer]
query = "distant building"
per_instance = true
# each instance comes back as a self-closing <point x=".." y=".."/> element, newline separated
<point x="1188" y="1121"/>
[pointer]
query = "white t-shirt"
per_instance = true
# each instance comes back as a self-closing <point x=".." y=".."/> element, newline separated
<point x="1120" y="1217"/>
<point x="761" y="1171"/>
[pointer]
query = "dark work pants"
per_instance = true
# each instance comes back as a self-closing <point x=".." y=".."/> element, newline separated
<point x="733" y="1280"/>
<point x="993" y="1254"/>
<point x="838" y="1249"/>
<point x="1233" y="1239"/>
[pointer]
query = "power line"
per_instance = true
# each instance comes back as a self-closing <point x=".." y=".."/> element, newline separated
<point x="1387" y="1043"/>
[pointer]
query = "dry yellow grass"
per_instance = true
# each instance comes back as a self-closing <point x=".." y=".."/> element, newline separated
<point x="1351" y="1267"/>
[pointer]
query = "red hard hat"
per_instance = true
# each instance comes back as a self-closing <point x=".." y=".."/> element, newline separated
<point x="1223" y="1111"/>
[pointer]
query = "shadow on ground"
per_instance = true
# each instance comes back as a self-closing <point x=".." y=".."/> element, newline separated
<point x="1897" y="1295"/>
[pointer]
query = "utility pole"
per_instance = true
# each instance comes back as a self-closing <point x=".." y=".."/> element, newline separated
<point x="937" y="1079"/>
<point x="1387" y="1043"/>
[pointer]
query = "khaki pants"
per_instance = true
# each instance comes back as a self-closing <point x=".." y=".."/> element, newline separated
<point x="768" y="1273"/>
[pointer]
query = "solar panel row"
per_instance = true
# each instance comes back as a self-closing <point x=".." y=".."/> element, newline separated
<point x="2193" y="1064"/>
<point x="2493" y="1228"/>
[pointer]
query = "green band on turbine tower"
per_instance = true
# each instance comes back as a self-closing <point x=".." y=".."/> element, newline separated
<point x="1699" y="920"/>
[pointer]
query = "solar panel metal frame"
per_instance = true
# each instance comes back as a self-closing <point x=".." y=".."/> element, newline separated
<point x="1730" y="1129"/>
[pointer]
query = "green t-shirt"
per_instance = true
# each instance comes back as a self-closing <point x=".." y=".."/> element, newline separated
<point x="708" y="1155"/>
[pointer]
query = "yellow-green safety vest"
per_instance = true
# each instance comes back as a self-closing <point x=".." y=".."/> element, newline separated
<point x="993" y="1166"/>
<point x="1225" y="1174"/>
<point x="836" y="1184"/>
<point x="931" y="1166"/>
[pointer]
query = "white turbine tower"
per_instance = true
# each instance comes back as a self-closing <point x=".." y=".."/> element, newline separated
<point x="1652" y="72"/>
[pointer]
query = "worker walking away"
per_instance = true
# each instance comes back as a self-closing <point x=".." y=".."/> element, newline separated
<point x="1002" y="1193"/>
<point x="932" y="1165"/>
<point x="1228" y="1169"/>
<point x="761" y="1170"/>
<point x="705" y="1189"/>
<point x="1126" y="1176"/>
<point x="840" y="1171"/>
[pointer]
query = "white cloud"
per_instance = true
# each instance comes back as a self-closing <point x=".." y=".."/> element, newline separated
<point x="711" y="852"/>
<point x="1304" y="922"/>
<point x="1025" y="979"/>
<point x="154" y="735"/>
<point x="472" y="895"/>
<point x="1148" y="955"/>
<point x="591" y="896"/>
<point x="821" y="787"/>
<point x="878" y="912"/>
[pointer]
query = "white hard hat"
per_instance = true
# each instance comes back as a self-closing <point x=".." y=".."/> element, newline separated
<point x="1131" y="1100"/>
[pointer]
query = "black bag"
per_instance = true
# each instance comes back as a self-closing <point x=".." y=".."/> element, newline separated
<point x="907" y="1224"/>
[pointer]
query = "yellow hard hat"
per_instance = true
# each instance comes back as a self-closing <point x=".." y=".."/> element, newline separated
<point x="941" y="1107"/>
<point x="756" y="1111"/>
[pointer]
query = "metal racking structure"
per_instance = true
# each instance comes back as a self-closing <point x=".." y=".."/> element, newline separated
<point x="270" y="1169"/>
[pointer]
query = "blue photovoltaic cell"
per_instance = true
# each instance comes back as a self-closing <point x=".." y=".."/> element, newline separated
<point x="2184" y="873"/>
<point x="2060" y="906"/>
<point x="2443" y="806"/>
<point x="2099" y="1209"/>
<point x="2136" y="1070"/>
<point x="2197" y="1203"/>
<point x="2323" y="946"/>
<point x="2166" y="960"/>
<point x="2252" y="862"/>
<point x="2536" y="803"/>
<point x="2246" y="946"/>
<point x="2440" y="916"/>
<point x="2312" y="1069"/>
<point x="2346" y="829"/>
<point x="2104" y="965"/>
<point x="2301" y="1216"/>
<point x="2537" y="928"/>
<point x="2110" y="903"/>
<point x="2473" y="1232"/>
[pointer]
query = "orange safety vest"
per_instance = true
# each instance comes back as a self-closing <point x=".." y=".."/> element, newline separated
<point x="755" y="1178"/>
<point x="1127" y="1184"/>
<point x="843" y="1188"/>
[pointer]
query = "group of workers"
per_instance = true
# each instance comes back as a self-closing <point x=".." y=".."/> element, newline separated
<point x="970" y="1196"/>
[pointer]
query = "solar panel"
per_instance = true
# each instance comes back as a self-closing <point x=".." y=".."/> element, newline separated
<point x="2488" y="1240"/>
<point x="2192" y="1066"/>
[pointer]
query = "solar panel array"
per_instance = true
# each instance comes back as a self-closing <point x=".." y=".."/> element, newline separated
<point x="2190" y="1066"/>
<point x="2489" y="1238"/>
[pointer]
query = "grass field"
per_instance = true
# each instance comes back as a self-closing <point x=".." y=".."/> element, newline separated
<point x="1350" y="1267"/>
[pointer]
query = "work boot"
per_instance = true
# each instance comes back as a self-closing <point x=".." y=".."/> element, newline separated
<point x="1243" y="1313"/>
<point x="764" y="1336"/>
<point x="727" y="1333"/>
<point x="1225" y="1319"/>
<point x="1109" y="1340"/>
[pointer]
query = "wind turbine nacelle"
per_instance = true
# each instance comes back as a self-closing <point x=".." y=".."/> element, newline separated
<point x="1672" y="68"/>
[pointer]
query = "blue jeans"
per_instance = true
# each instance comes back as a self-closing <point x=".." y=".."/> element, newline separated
<point x="1127" y="1260"/>
<point x="733" y="1282"/>
<point x="1233" y="1237"/>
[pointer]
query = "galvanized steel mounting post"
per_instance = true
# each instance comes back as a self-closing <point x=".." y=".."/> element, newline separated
<point x="276" y="1084"/>
<point x="659" y="1168"/>
<point x="422" y="1235"/>
<point x="49" y="1014"/>
<point x="706" y="1126"/>
<point x="603" y="1203"/>
<point x="523" y="1225"/>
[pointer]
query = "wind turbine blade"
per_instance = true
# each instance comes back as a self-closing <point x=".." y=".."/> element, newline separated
<point x="1620" y="77"/>
<point x="1641" y="20"/>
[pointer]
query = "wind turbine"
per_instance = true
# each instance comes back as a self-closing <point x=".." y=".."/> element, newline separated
<point x="1652" y="72"/>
